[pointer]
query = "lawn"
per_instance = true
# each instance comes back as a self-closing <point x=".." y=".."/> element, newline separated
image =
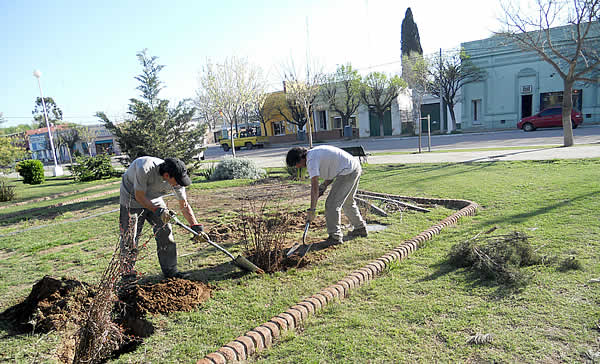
<point x="421" y="309"/>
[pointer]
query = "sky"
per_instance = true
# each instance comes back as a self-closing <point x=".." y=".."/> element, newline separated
<point x="86" y="50"/>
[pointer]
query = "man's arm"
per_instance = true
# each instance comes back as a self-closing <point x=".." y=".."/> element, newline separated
<point x="314" y="192"/>
<point x="140" y="197"/>
<point x="188" y="213"/>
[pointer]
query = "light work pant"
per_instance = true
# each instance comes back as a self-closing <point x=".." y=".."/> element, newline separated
<point x="131" y="222"/>
<point x="341" y="196"/>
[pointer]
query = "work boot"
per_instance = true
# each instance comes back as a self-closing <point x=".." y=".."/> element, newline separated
<point x="179" y="275"/>
<point x="333" y="240"/>
<point x="358" y="232"/>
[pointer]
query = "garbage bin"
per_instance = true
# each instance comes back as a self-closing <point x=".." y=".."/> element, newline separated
<point x="301" y="135"/>
<point x="348" y="131"/>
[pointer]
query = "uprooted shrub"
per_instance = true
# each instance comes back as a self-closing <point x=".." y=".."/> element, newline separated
<point x="237" y="168"/>
<point x="498" y="257"/>
<point x="93" y="168"/>
<point x="32" y="171"/>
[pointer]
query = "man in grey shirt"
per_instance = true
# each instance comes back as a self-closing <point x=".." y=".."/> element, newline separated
<point x="144" y="183"/>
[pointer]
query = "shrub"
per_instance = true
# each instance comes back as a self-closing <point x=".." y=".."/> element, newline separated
<point x="93" y="168"/>
<point x="32" y="171"/>
<point x="7" y="192"/>
<point x="296" y="173"/>
<point x="237" y="168"/>
<point x="207" y="171"/>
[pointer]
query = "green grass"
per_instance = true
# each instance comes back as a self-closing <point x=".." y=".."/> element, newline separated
<point x="420" y="310"/>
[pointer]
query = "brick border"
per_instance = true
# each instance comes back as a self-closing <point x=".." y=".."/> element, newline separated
<point x="265" y="335"/>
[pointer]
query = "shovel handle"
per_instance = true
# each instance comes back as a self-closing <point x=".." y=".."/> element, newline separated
<point x="204" y="235"/>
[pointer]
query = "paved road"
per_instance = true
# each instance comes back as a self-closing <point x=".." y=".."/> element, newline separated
<point x="274" y="156"/>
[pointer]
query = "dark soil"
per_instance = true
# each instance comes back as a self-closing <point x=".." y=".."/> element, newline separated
<point x="62" y="304"/>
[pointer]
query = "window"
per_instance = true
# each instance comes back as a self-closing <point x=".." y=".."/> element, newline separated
<point x="553" y="111"/>
<point x="322" y="120"/>
<point x="278" y="128"/>
<point x="476" y="111"/>
<point x="337" y="122"/>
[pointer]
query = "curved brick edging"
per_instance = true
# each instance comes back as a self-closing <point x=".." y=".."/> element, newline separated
<point x="265" y="335"/>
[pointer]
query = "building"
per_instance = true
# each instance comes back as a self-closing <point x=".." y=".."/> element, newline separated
<point x="518" y="84"/>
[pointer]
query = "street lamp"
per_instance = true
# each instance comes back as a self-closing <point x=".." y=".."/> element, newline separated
<point x="58" y="171"/>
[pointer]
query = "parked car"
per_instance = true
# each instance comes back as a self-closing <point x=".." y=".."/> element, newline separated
<point x="548" y="118"/>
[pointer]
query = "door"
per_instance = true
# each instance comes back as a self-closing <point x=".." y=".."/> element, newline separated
<point x="526" y="105"/>
<point x="433" y="110"/>
<point x="374" y="123"/>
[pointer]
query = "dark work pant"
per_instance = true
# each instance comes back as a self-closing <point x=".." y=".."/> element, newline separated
<point x="131" y="222"/>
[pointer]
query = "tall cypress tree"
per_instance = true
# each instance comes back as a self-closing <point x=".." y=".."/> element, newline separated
<point x="409" y="36"/>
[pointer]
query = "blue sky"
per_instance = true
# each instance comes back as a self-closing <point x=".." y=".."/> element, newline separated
<point x="86" y="49"/>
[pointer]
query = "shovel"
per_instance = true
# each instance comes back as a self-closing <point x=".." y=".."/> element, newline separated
<point x="240" y="261"/>
<point x="297" y="245"/>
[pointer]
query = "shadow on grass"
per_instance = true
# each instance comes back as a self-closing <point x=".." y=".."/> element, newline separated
<point x="49" y="213"/>
<point x="520" y="218"/>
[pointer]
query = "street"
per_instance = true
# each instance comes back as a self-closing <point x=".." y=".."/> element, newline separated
<point x="274" y="155"/>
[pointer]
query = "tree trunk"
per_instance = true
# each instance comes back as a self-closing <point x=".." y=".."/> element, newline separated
<point x="309" y="126"/>
<point x="567" y="106"/>
<point x="452" y="116"/>
<point x="231" y="138"/>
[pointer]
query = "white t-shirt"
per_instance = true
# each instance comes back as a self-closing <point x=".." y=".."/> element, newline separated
<point x="329" y="162"/>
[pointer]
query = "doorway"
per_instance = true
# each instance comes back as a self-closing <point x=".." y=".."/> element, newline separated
<point x="526" y="105"/>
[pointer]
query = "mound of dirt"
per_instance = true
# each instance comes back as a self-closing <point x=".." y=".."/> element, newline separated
<point x="168" y="296"/>
<point x="53" y="304"/>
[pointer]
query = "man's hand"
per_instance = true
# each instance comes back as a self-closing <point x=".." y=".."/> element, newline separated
<point x="310" y="215"/>
<point x="163" y="214"/>
<point x="322" y="189"/>
<point x="199" y="229"/>
<point x="201" y="237"/>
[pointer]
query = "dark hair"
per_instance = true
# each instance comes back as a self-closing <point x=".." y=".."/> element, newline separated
<point x="176" y="169"/>
<point x="295" y="155"/>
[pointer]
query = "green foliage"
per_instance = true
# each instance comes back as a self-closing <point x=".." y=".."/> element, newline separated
<point x="10" y="152"/>
<point x="93" y="168"/>
<point x="296" y="173"/>
<point x="237" y="168"/>
<point x="496" y="257"/>
<point x="53" y="111"/>
<point x="32" y="171"/>
<point x="570" y="263"/>
<point x="155" y="129"/>
<point x="206" y="172"/>
<point x="7" y="192"/>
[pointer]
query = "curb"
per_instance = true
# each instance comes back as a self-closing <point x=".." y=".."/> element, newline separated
<point x="265" y="335"/>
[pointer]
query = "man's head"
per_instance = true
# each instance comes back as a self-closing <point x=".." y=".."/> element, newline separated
<point x="295" y="156"/>
<point x="176" y="169"/>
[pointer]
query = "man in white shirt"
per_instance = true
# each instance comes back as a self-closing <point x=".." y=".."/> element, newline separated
<point x="336" y="166"/>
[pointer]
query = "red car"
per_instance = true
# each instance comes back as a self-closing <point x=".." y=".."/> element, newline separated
<point x="549" y="117"/>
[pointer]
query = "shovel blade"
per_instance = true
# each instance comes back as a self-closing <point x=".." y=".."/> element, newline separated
<point x="292" y="249"/>
<point x="245" y="264"/>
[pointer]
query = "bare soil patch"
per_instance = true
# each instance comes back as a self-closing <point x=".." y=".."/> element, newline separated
<point x="62" y="304"/>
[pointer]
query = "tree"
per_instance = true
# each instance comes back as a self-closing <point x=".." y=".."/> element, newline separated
<point x="448" y="72"/>
<point x="155" y="129"/>
<point x="230" y="88"/>
<point x="54" y="113"/>
<point x="289" y="110"/>
<point x="412" y="63"/>
<point x="379" y="91"/>
<point x="87" y="136"/>
<point x="302" y="90"/>
<point x="572" y="49"/>
<point x="10" y="151"/>
<point x="342" y="92"/>
<point x="67" y="137"/>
